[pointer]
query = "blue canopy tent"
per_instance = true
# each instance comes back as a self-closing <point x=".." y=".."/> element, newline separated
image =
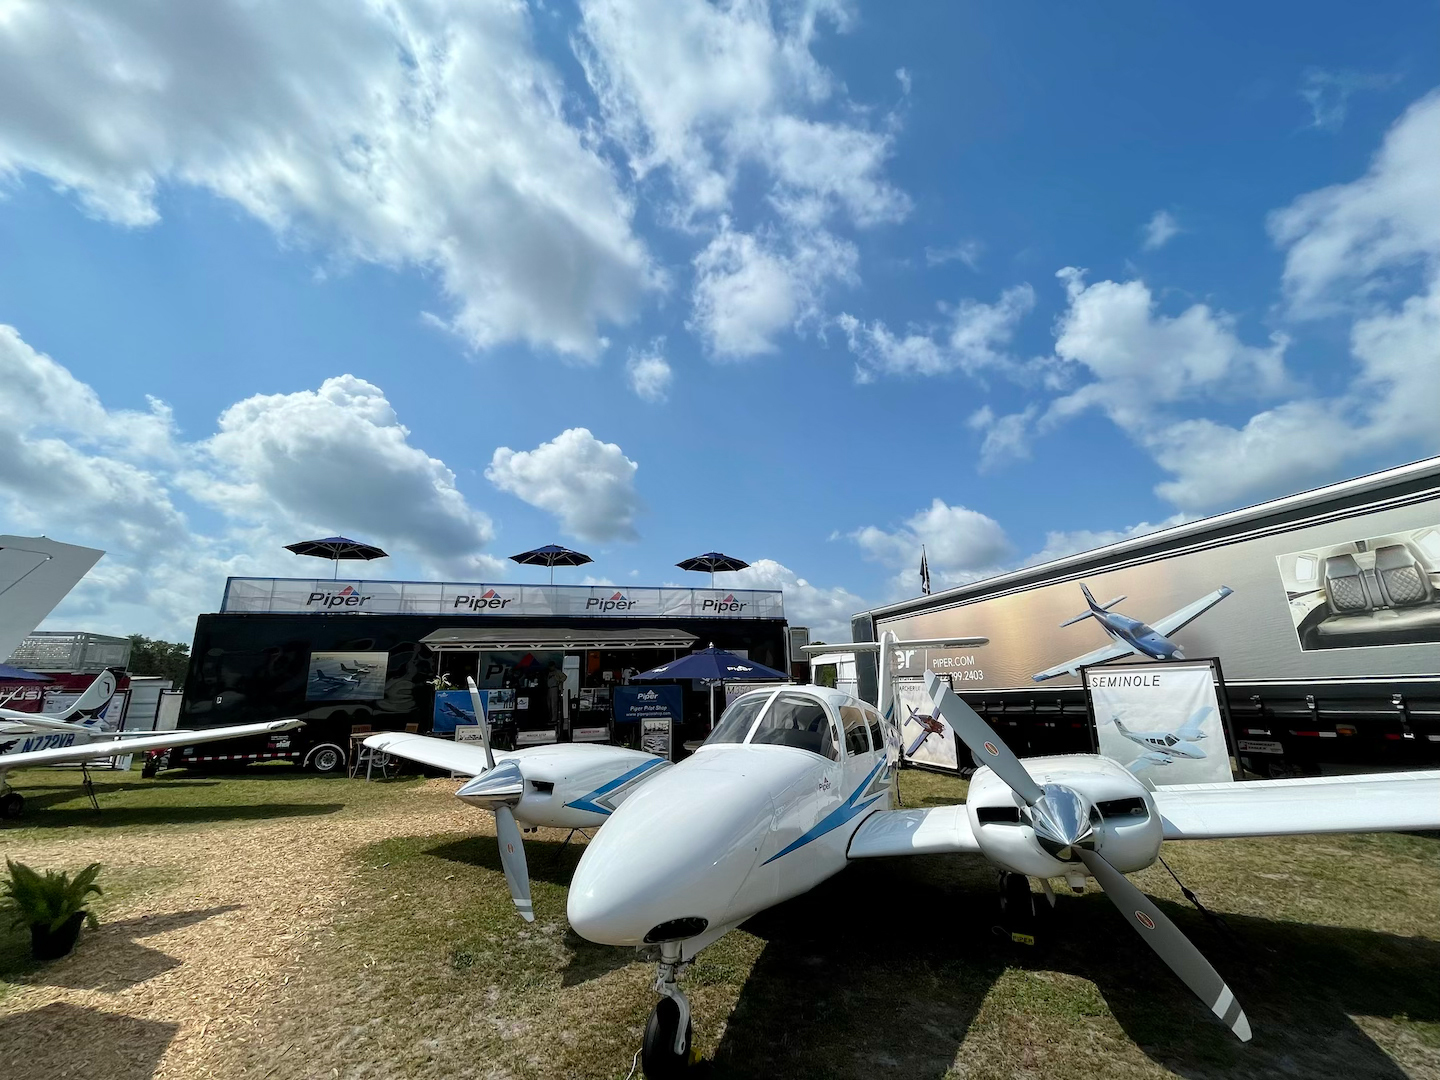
<point x="712" y="666"/>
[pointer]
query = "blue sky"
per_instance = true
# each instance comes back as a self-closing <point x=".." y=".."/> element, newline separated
<point x="812" y="283"/>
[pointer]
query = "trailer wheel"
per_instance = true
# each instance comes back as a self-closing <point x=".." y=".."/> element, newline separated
<point x="327" y="759"/>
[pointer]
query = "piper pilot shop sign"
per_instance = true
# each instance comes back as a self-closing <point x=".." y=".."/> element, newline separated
<point x="639" y="703"/>
<point x="307" y="596"/>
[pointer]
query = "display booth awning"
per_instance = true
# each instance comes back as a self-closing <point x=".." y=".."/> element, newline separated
<point x="505" y="639"/>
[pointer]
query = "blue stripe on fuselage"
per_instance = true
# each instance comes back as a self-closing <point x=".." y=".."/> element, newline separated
<point x="587" y="801"/>
<point x="837" y="817"/>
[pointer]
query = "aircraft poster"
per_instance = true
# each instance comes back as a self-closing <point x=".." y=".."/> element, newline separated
<point x="1224" y="600"/>
<point x="1161" y="721"/>
<point x="925" y="738"/>
<point x="346" y="676"/>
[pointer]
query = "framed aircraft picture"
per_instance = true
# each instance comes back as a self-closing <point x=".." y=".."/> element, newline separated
<point x="1162" y="721"/>
<point x="346" y="676"/>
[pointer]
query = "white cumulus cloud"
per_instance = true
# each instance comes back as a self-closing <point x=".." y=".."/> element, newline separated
<point x="649" y="373"/>
<point x="960" y="545"/>
<point x="826" y="611"/>
<point x="1160" y="230"/>
<point x="421" y="132"/>
<point x="176" y="518"/>
<point x="588" y="484"/>
<point x="976" y="336"/>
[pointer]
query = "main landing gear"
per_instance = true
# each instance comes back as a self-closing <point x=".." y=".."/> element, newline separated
<point x="12" y="804"/>
<point x="666" y="1051"/>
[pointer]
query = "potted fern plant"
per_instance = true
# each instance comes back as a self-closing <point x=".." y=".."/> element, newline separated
<point x="52" y="905"/>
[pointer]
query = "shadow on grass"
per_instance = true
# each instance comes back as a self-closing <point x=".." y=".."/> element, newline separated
<point x="547" y="860"/>
<point x="107" y="958"/>
<point x="67" y="1040"/>
<point x="871" y="974"/>
<point x="59" y="817"/>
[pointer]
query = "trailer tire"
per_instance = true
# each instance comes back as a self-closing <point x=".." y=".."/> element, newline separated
<point x="327" y="759"/>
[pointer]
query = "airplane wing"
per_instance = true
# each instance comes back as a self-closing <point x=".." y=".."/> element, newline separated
<point x="1113" y="651"/>
<point x="467" y="759"/>
<point x="1373" y="802"/>
<point x="1190" y="612"/>
<point x="935" y="830"/>
<point x="110" y="747"/>
<point x="1190" y="730"/>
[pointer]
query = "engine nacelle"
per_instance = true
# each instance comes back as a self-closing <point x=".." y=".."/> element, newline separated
<point x="1127" y="827"/>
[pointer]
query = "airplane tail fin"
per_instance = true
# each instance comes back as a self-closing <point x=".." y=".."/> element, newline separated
<point x="1190" y="730"/>
<point x="88" y="706"/>
<point x="1091" y="607"/>
<point x="1118" y="725"/>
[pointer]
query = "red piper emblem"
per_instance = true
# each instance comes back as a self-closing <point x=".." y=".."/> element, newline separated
<point x="991" y="750"/>
<point x="1145" y="920"/>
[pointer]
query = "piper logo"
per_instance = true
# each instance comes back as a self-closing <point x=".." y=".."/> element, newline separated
<point x="618" y="602"/>
<point x="346" y="597"/>
<point x="648" y="695"/>
<point x="489" y="600"/>
<point x="728" y="604"/>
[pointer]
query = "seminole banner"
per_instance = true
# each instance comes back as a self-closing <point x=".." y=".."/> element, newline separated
<point x="301" y="595"/>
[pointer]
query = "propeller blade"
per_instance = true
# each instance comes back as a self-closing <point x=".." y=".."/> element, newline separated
<point x="482" y="721"/>
<point x="1169" y="943"/>
<point x="980" y="737"/>
<point x="512" y="858"/>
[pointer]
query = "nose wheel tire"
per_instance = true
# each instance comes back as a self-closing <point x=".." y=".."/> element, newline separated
<point x="658" y="1059"/>
<point x="12" y="804"/>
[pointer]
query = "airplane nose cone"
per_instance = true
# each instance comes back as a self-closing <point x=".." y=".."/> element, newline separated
<point x="680" y="848"/>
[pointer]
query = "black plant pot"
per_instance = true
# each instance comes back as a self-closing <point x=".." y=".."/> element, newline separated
<point x="47" y="944"/>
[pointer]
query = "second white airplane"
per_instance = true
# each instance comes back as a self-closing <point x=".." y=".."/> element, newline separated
<point x="795" y="782"/>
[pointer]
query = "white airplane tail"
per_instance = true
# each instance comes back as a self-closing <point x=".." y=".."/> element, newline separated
<point x="1092" y="608"/>
<point x="885" y="649"/>
<point x="89" y="706"/>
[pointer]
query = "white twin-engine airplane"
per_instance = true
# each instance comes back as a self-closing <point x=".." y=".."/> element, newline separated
<point x="1163" y="747"/>
<point x="794" y="782"/>
<point x="78" y="734"/>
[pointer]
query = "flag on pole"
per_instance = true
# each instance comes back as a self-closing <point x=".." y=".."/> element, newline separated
<point x="924" y="572"/>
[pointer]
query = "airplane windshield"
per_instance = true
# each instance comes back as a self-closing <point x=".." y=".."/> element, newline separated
<point x="1170" y="740"/>
<point x="735" y="724"/>
<point x="800" y="721"/>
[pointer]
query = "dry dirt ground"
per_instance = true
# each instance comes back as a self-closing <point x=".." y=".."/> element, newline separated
<point x="277" y="927"/>
<point x="189" y="968"/>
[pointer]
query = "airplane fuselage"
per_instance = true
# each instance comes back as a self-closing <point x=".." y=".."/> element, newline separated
<point x="1165" y="742"/>
<point x="726" y="833"/>
<point x="1136" y="634"/>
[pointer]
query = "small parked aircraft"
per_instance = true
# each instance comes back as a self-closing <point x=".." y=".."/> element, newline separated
<point x="77" y="734"/>
<point x="1129" y="636"/>
<point x="1163" y="747"/>
<point x="795" y="781"/>
<point x="929" y="725"/>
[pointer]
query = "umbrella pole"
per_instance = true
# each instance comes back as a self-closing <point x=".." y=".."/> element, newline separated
<point x="552" y="573"/>
<point x="335" y="574"/>
<point x="712" y="706"/>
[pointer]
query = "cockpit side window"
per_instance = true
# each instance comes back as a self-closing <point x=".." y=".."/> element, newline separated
<point x="799" y="721"/>
<point x="877" y="736"/>
<point x="856" y="739"/>
<point x="735" y="724"/>
<point x="1171" y="740"/>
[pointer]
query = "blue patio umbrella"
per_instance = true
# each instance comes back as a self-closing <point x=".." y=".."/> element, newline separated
<point x="336" y="548"/>
<point x="713" y="561"/>
<point x="712" y="665"/>
<point x="551" y="555"/>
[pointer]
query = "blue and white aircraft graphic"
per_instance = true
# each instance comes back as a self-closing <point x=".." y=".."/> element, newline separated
<point x="1163" y="747"/>
<point x="1130" y="636"/>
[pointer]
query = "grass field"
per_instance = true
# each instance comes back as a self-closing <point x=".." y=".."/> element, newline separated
<point x="276" y="925"/>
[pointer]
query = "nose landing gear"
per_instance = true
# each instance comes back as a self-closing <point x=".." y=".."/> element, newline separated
<point x="666" y="1051"/>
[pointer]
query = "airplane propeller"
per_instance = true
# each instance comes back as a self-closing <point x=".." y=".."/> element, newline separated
<point x="1061" y="820"/>
<point x="499" y="788"/>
